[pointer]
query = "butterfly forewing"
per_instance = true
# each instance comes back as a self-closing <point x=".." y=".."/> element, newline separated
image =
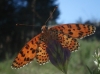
<point x="27" y="54"/>
<point x="76" y="30"/>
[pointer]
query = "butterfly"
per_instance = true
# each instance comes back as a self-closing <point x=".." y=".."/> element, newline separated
<point x="65" y="34"/>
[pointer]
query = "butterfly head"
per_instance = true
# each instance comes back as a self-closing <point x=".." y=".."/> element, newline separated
<point x="44" y="28"/>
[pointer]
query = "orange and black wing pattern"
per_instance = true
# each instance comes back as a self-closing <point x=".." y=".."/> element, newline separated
<point x="27" y="54"/>
<point x="42" y="55"/>
<point x="65" y="34"/>
<point x="75" y="30"/>
<point x="68" y="42"/>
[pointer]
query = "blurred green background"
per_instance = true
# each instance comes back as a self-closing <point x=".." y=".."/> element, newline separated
<point x="36" y="12"/>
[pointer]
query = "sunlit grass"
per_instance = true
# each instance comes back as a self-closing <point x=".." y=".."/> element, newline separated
<point x="76" y="65"/>
<point x="83" y="57"/>
<point x="5" y="67"/>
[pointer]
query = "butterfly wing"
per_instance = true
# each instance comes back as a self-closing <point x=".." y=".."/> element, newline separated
<point x="75" y="30"/>
<point x="65" y="40"/>
<point x="27" y="54"/>
<point x="68" y="42"/>
<point x="41" y="54"/>
<point x="69" y="31"/>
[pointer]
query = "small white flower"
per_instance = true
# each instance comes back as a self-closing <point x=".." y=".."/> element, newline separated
<point x="97" y="58"/>
<point x="98" y="68"/>
<point x="98" y="53"/>
<point x="95" y="53"/>
<point x="96" y="63"/>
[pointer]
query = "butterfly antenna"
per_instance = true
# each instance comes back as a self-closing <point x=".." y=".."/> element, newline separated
<point x="45" y="22"/>
<point x="51" y="15"/>
<point x="23" y="25"/>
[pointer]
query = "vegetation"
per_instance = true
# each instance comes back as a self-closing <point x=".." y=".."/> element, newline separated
<point x="77" y="63"/>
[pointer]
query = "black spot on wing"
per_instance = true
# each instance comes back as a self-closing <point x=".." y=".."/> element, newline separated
<point x="22" y="54"/>
<point x="69" y="26"/>
<point x="33" y="51"/>
<point x="27" y="46"/>
<point x="63" y="27"/>
<point x="70" y="33"/>
<point x="81" y="33"/>
<point x="78" y="27"/>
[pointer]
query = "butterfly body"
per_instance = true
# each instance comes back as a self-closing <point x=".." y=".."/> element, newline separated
<point x="66" y="35"/>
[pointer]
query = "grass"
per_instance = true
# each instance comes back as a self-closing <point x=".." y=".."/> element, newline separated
<point x="76" y="65"/>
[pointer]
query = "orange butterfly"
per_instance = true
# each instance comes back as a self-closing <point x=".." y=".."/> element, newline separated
<point x="66" y="35"/>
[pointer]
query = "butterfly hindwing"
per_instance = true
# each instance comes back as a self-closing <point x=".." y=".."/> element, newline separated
<point x="41" y="54"/>
<point x="68" y="42"/>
